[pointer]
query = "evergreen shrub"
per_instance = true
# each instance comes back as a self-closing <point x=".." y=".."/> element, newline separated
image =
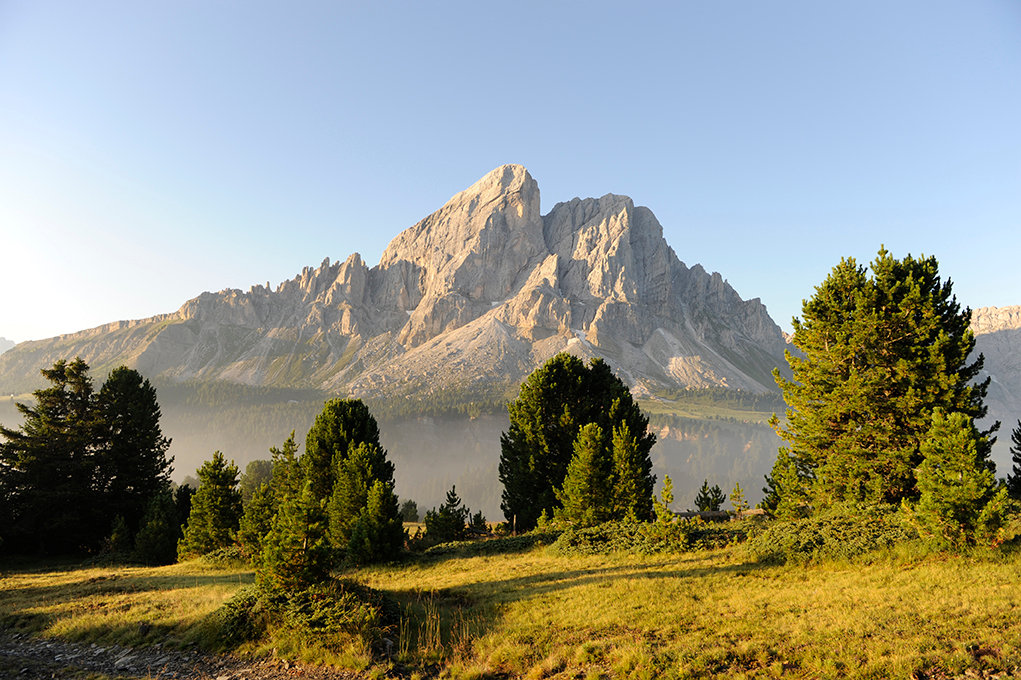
<point x="844" y="532"/>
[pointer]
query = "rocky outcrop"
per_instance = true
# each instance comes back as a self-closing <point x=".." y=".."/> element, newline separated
<point x="471" y="298"/>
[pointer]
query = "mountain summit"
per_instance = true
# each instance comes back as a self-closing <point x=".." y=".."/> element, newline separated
<point x="470" y="299"/>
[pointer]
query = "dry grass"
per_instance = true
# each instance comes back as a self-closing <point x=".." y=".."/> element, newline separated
<point x="542" y="615"/>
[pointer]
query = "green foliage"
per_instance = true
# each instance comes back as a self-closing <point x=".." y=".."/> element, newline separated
<point x="878" y="354"/>
<point x="958" y="502"/>
<point x="215" y="509"/>
<point x="632" y="480"/>
<point x="647" y="538"/>
<point x="710" y="499"/>
<point x="364" y="465"/>
<point x="842" y="532"/>
<point x="296" y="553"/>
<point x="340" y="427"/>
<point x="409" y="511"/>
<point x="377" y="534"/>
<point x="449" y="521"/>
<point x="80" y="461"/>
<point x="586" y="498"/>
<point x="257" y="473"/>
<point x="664" y="515"/>
<point x="156" y="542"/>
<point x="737" y="499"/>
<point x="553" y="404"/>
<point x="286" y="479"/>
<point x="1014" y="478"/>
<point x="256" y="521"/>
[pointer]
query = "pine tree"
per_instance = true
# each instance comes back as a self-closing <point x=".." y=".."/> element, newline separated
<point x="878" y="354"/>
<point x="664" y="515"/>
<point x="710" y="499"/>
<point x="286" y="478"/>
<point x="215" y="509"/>
<point x="134" y="463"/>
<point x="553" y="404"/>
<point x="409" y="511"/>
<point x="377" y="534"/>
<point x="1014" y="478"/>
<point x="257" y="473"/>
<point x="737" y="499"/>
<point x="256" y="521"/>
<point x="50" y="468"/>
<point x="356" y="473"/>
<point x="296" y="552"/>
<point x="342" y="426"/>
<point x="632" y="480"/>
<point x="448" y="522"/>
<point x="586" y="497"/>
<point x="156" y="541"/>
<point x="958" y="500"/>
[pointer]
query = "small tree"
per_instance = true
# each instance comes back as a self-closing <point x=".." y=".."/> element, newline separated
<point x="1014" y="478"/>
<point x="215" y="509"/>
<point x="958" y="501"/>
<point x="296" y="553"/>
<point x="448" y="522"/>
<point x="737" y="499"/>
<point x="377" y="534"/>
<point x="257" y="473"/>
<point x="256" y="521"/>
<point x="356" y="473"/>
<point x="632" y="480"/>
<point x="409" y="511"/>
<point x="710" y="499"/>
<point x="156" y="542"/>
<point x="586" y="497"/>
<point x="664" y="515"/>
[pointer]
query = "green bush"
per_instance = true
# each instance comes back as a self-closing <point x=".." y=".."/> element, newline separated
<point x="242" y="617"/>
<point x="649" y="537"/>
<point x="844" y="532"/>
<point x="232" y="556"/>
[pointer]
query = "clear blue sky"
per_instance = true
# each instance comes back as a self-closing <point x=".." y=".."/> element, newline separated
<point x="153" y="150"/>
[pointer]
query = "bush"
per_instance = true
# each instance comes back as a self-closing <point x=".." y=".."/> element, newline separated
<point x="844" y="532"/>
<point x="649" y="537"/>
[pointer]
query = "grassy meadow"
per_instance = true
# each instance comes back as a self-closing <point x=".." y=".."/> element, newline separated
<point x="540" y="614"/>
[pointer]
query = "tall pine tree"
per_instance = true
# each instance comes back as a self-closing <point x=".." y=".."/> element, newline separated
<point x="586" y="497"/>
<point x="215" y="509"/>
<point x="878" y="354"/>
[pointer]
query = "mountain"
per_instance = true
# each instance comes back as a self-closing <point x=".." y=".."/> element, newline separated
<point x="463" y="304"/>
<point x="998" y="337"/>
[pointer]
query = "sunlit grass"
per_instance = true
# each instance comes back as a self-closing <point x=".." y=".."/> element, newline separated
<point x="543" y="615"/>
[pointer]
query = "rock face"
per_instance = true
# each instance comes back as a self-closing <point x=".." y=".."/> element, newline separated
<point x="470" y="300"/>
<point x="998" y="337"/>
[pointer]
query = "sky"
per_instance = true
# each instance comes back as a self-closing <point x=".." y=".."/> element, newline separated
<point x="150" y="151"/>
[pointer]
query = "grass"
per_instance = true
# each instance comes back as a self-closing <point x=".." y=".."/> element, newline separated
<point x="536" y="614"/>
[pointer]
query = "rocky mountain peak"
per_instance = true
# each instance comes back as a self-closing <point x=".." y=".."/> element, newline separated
<point x="992" y="319"/>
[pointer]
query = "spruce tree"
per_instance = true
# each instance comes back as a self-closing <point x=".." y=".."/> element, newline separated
<point x="586" y="497"/>
<point x="552" y="406"/>
<point x="632" y="480"/>
<point x="133" y="450"/>
<point x="256" y="521"/>
<point x="296" y="552"/>
<point x="878" y="354"/>
<point x="156" y="541"/>
<point x="958" y="501"/>
<point x="340" y="427"/>
<point x="449" y="521"/>
<point x="1014" y="478"/>
<point x="215" y="509"/>
<point x="664" y="515"/>
<point x="286" y="479"/>
<point x="710" y="499"/>
<point x="737" y="499"/>
<point x="356" y="473"/>
<point x="377" y="534"/>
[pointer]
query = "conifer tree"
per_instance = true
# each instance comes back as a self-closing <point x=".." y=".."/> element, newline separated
<point x="156" y="541"/>
<point x="632" y="479"/>
<point x="552" y="406"/>
<point x="215" y="509"/>
<point x="664" y="515"/>
<point x="286" y="478"/>
<point x="341" y="427"/>
<point x="448" y="522"/>
<point x="878" y="354"/>
<point x="737" y="499"/>
<point x="1014" y="478"/>
<point x="296" y="552"/>
<point x="710" y="499"/>
<point x="586" y="497"/>
<point x="958" y="500"/>
<point x="256" y="521"/>
<point x="377" y="534"/>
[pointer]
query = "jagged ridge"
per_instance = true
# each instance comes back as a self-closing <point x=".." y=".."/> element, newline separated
<point x="471" y="298"/>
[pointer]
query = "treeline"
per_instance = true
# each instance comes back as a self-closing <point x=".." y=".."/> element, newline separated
<point x="767" y="402"/>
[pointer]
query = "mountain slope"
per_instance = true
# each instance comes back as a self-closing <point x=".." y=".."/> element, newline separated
<point x="471" y="298"/>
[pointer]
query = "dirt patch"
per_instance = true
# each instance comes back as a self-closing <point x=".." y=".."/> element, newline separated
<point x="25" y="657"/>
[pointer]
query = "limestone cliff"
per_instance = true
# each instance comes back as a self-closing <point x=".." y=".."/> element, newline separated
<point x="470" y="299"/>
